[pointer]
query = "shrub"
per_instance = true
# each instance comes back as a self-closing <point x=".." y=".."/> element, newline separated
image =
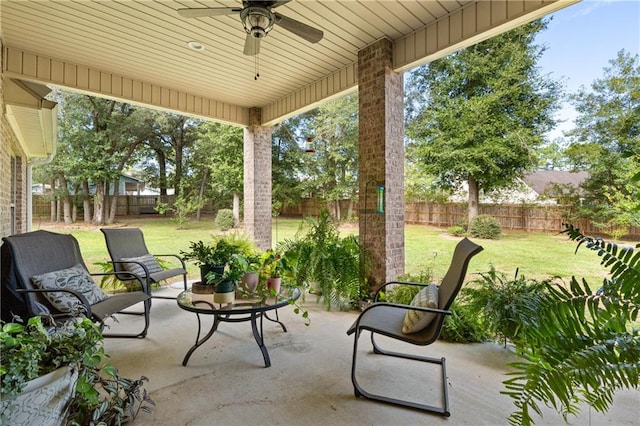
<point x="457" y="230"/>
<point x="404" y="294"/>
<point x="485" y="226"/>
<point x="463" y="326"/>
<point x="502" y="305"/>
<point x="224" y="220"/>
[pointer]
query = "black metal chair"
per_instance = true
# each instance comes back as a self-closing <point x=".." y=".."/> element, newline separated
<point x="387" y="319"/>
<point x="32" y="254"/>
<point x="125" y="245"/>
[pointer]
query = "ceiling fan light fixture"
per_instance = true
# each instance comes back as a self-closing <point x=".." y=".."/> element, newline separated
<point x="257" y="21"/>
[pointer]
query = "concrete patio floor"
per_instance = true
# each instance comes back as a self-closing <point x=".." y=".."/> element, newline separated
<point x="308" y="383"/>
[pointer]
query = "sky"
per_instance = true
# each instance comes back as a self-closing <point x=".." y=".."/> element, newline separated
<point x="581" y="40"/>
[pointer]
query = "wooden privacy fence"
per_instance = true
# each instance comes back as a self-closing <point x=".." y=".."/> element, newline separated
<point x="527" y="217"/>
<point x="128" y="205"/>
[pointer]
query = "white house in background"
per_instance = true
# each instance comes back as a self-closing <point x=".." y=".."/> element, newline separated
<point x="542" y="187"/>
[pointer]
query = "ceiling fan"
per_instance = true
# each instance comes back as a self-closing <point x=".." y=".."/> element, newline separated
<point x="258" y="19"/>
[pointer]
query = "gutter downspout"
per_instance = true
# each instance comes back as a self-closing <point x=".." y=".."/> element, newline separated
<point x="39" y="162"/>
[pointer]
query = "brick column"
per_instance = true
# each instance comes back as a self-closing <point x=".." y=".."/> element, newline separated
<point x="381" y="152"/>
<point x="257" y="180"/>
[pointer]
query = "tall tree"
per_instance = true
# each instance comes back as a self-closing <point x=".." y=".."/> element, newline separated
<point x="288" y="159"/>
<point x="180" y="133"/>
<point x="221" y="147"/>
<point x="477" y="115"/>
<point x="334" y="165"/>
<point x="606" y="142"/>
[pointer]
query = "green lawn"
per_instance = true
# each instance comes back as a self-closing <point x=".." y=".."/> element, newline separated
<point x="536" y="255"/>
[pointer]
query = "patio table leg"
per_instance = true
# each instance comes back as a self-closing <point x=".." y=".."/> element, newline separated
<point x="276" y="320"/>
<point x="214" y="327"/>
<point x="259" y="336"/>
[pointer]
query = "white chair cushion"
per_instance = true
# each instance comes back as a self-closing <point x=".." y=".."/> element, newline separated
<point x="415" y="321"/>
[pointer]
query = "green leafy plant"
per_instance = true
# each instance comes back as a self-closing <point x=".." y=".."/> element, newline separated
<point x="224" y="219"/>
<point x="111" y="281"/>
<point x="234" y="270"/>
<point x="334" y="266"/>
<point x="503" y="305"/>
<point x="485" y="226"/>
<point x="274" y="264"/>
<point x="104" y="397"/>
<point x="32" y="350"/>
<point x="404" y="294"/>
<point x="463" y="326"/>
<point x="457" y="230"/>
<point x="581" y="345"/>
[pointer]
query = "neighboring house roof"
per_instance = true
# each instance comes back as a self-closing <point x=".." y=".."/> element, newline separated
<point x="550" y="183"/>
<point x="540" y="187"/>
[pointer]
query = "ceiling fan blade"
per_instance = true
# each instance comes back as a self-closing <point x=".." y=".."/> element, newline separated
<point x="278" y="3"/>
<point x="200" y="12"/>
<point x="251" y="45"/>
<point x="312" y="35"/>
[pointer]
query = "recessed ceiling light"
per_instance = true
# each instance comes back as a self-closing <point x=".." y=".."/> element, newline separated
<point x="194" y="45"/>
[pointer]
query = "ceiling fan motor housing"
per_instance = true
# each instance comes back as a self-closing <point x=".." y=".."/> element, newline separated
<point x="257" y="20"/>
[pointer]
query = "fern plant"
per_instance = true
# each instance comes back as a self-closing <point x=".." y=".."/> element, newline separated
<point x="333" y="265"/>
<point x="582" y="345"/>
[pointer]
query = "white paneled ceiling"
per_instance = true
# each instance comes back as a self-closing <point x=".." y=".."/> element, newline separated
<point x="146" y="40"/>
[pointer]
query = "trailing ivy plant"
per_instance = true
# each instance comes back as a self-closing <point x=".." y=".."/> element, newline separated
<point x="583" y="343"/>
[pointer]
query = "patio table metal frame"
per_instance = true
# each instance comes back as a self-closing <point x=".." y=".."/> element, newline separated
<point x="241" y="310"/>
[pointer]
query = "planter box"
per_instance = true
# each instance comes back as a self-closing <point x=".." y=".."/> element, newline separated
<point x="43" y="401"/>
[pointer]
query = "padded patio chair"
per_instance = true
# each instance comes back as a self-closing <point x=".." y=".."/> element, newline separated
<point x="131" y="258"/>
<point x="43" y="273"/>
<point x="419" y="323"/>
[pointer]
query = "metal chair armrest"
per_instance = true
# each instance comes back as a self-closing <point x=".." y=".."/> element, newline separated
<point x="78" y="295"/>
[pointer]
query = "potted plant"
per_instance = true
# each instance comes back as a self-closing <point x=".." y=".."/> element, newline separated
<point x="56" y="366"/>
<point x="251" y="278"/>
<point x="226" y="282"/>
<point x="274" y="266"/>
<point x="335" y="266"/>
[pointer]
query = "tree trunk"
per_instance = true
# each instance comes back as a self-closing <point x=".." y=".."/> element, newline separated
<point x="474" y="194"/>
<point x="162" y="172"/>
<point x="203" y="185"/>
<point x="53" y="201"/>
<point x="66" y="206"/>
<point x="350" y="209"/>
<point x="236" y="209"/>
<point x="113" y="207"/>
<point x="86" y="201"/>
<point x="66" y="201"/>
<point x="98" y="204"/>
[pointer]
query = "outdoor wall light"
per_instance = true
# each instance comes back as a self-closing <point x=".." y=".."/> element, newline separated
<point x="380" y="203"/>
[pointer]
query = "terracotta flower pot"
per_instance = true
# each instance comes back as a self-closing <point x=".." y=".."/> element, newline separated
<point x="249" y="282"/>
<point x="274" y="284"/>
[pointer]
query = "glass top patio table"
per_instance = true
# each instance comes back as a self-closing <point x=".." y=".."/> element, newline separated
<point x="241" y="310"/>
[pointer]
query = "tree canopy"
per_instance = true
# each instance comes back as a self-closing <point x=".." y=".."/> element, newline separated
<point x="477" y="115"/>
<point x="606" y="142"/>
